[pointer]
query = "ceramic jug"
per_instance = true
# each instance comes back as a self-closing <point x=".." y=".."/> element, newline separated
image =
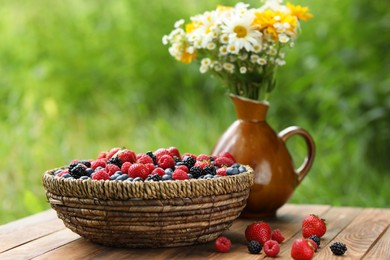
<point x="253" y="142"/>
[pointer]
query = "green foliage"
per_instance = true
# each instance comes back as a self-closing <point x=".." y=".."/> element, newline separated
<point x="78" y="77"/>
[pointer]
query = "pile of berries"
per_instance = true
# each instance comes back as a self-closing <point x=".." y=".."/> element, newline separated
<point x="260" y="236"/>
<point x="121" y="164"/>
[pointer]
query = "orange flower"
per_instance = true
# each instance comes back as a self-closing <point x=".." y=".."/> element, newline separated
<point x="302" y="13"/>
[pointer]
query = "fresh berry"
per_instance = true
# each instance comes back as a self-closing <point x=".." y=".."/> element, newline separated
<point x="182" y="167"/>
<point x="316" y="239"/>
<point x="259" y="231"/>
<point x="313" y="225"/>
<point x="150" y="167"/>
<point x="98" y="163"/>
<point x="277" y="236"/>
<point x="78" y="170"/>
<point x="188" y="161"/>
<point x="160" y="152"/>
<point x="153" y="177"/>
<point x="138" y="170"/>
<point x="115" y="160"/>
<point x="188" y="154"/>
<point x="112" y="168"/>
<point x="112" y="152"/>
<point x="254" y="247"/>
<point x="166" y="161"/>
<point x="221" y="172"/>
<point x="102" y="155"/>
<point x="180" y="175"/>
<point x="228" y="155"/>
<point x="144" y="159"/>
<point x="203" y="157"/>
<point x="302" y="250"/>
<point x="151" y="155"/>
<point x="223" y="161"/>
<point x="100" y="175"/>
<point x="127" y="156"/>
<point x="338" y="248"/>
<point x="159" y="171"/>
<point x="196" y="171"/>
<point x="209" y="169"/>
<point x="174" y="152"/>
<point x="313" y="244"/>
<point x="222" y="244"/>
<point x="125" y="167"/>
<point x="271" y="248"/>
<point x="201" y="164"/>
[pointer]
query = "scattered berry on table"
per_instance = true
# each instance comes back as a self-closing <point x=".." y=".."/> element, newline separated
<point x="271" y="248"/>
<point x="259" y="231"/>
<point x="316" y="239"/>
<point x="277" y="236"/>
<point x="313" y="225"/>
<point x="338" y="248"/>
<point x="254" y="247"/>
<point x="222" y="244"/>
<point x="302" y="249"/>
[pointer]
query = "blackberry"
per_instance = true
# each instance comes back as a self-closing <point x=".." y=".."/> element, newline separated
<point x="177" y="159"/>
<point x="189" y="161"/>
<point x="153" y="177"/>
<point x="72" y="165"/>
<point x="196" y="171"/>
<point x="338" y="248"/>
<point x="78" y="171"/>
<point x="115" y="160"/>
<point x="254" y="247"/>
<point x="316" y="239"/>
<point x="209" y="170"/>
<point x="151" y="155"/>
<point x="86" y="163"/>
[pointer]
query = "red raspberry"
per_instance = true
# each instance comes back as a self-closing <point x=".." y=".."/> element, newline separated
<point x="112" y="152"/>
<point x="143" y="158"/>
<point x="159" y="171"/>
<point x="166" y="161"/>
<point x="228" y="155"/>
<point x="182" y="167"/>
<point x="179" y="175"/>
<point x="221" y="172"/>
<point x="201" y="164"/>
<point x="189" y="154"/>
<point x="222" y="244"/>
<point x="223" y="161"/>
<point x="160" y="152"/>
<point x="203" y="157"/>
<point x="277" y="236"/>
<point x="138" y="170"/>
<point x="174" y="152"/>
<point x="97" y="163"/>
<point x="125" y="167"/>
<point x="112" y="168"/>
<point x="150" y="167"/>
<point x="102" y="155"/>
<point x="271" y="248"/>
<point x="100" y="175"/>
<point x="127" y="156"/>
<point x="259" y="231"/>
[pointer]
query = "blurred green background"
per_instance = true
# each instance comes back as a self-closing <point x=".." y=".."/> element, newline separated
<point x="80" y="77"/>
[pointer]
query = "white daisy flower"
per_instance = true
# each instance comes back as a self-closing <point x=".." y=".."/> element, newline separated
<point x="211" y="46"/>
<point x="242" y="34"/>
<point x="217" y="66"/>
<point x="280" y="62"/>
<point x="203" y="69"/>
<point x="224" y="38"/>
<point x="254" y="58"/>
<point x="205" y="62"/>
<point x="261" y="61"/>
<point x="223" y="50"/>
<point x="229" y="67"/>
<point x="179" y="23"/>
<point x="283" y="38"/>
<point x="243" y="70"/>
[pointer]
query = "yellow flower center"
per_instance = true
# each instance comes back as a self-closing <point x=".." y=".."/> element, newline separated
<point x="240" y="31"/>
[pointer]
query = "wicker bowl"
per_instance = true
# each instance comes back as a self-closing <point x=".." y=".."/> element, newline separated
<point x="148" y="214"/>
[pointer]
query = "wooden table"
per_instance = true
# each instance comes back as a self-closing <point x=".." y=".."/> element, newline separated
<point x="365" y="231"/>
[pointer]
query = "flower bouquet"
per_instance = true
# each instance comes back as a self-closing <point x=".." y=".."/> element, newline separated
<point x="242" y="45"/>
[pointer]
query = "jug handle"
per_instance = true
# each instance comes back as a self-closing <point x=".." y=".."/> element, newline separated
<point x="306" y="165"/>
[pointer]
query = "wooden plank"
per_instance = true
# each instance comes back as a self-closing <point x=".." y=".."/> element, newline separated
<point x="381" y="249"/>
<point x="361" y="234"/>
<point x="27" y="229"/>
<point x="40" y="245"/>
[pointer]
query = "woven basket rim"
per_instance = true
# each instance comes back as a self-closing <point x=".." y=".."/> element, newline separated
<point x="120" y="190"/>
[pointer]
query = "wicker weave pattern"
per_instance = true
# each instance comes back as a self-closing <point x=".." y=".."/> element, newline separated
<point x="148" y="214"/>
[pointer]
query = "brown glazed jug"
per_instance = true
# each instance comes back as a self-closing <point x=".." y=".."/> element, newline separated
<point x="253" y="142"/>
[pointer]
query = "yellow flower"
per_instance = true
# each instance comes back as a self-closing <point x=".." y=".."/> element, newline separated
<point x="302" y="13"/>
<point x="267" y="21"/>
<point x="187" y="57"/>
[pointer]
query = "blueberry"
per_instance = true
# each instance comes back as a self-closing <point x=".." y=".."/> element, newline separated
<point x="138" y="179"/>
<point x="166" y="177"/>
<point x="232" y="171"/>
<point x="122" y="177"/>
<point x="57" y="172"/>
<point x="236" y="165"/>
<point x="129" y="179"/>
<point x="169" y="171"/>
<point x="88" y="172"/>
<point x="208" y="176"/>
<point x="84" y="177"/>
<point x="67" y="175"/>
<point x="241" y="169"/>
<point x="114" y="176"/>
